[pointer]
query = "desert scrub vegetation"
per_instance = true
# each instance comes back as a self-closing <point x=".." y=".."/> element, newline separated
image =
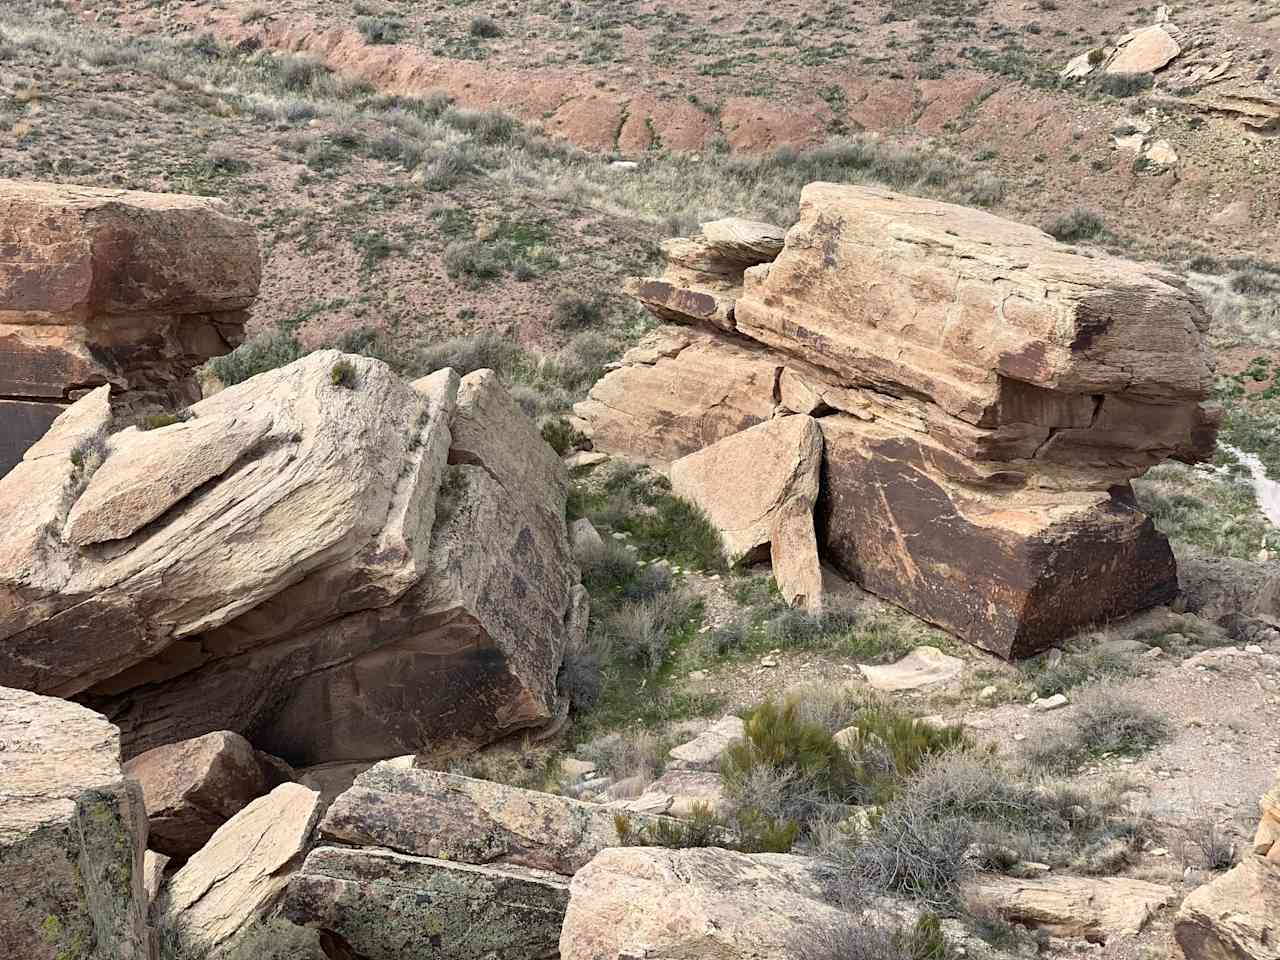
<point x="815" y="758"/>
<point x="638" y="504"/>
<point x="747" y="832"/>
<point x="1104" y="723"/>
<point x="1077" y="224"/>
<point x="86" y="457"/>
<point x="270" y="938"/>
<point x="867" y="936"/>
<point x="966" y="811"/>
<point x="869" y="633"/>
<point x="1216" y="512"/>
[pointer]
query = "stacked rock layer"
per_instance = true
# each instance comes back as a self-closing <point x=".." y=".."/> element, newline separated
<point x="112" y="287"/>
<point x="984" y="393"/>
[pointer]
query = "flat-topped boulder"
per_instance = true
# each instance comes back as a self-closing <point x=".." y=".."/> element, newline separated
<point x="984" y="393"/>
<point x="332" y="562"/>
<point x="73" y="832"/>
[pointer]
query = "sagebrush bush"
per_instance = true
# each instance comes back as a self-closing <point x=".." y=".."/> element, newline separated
<point x="258" y="354"/>
<point x="574" y="312"/>
<point x="703" y="828"/>
<point x="1078" y="224"/>
<point x="641" y="632"/>
<point x="867" y="936"/>
<point x="1121" y="85"/>
<point x="1105" y="722"/>
<point x="380" y="29"/>
<point x="641" y="754"/>
<point x="1216" y="849"/>
<point x="579" y="679"/>
<point x="86" y="456"/>
<point x="485" y="27"/>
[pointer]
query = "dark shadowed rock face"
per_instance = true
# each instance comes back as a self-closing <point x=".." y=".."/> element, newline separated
<point x="22" y="423"/>
<point x="1010" y="575"/>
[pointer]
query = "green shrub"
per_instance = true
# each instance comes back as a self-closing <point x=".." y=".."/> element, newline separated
<point x="380" y="29"/>
<point x="572" y="312"/>
<point x="702" y="828"/>
<point x="641" y="632"/>
<point x="1079" y="224"/>
<point x="869" y="936"/>
<point x="560" y="435"/>
<point x="343" y="374"/>
<point x="86" y="456"/>
<point x="485" y="27"/>
<point x="266" y="351"/>
<point x="1121" y="85"/>
<point x="1105" y="722"/>
<point x="154" y="421"/>
<point x="472" y="262"/>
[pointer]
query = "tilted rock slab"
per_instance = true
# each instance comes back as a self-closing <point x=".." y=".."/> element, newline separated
<point x="242" y="873"/>
<point x="708" y="903"/>
<point x="390" y="906"/>
<point x="758" y="488"/>
<point x="449" y="817"/>
<point x="985" y="395"/>
<point x="338" y="573"/>
<point x="194" y="787"/>
<point x="113" y="287"/>
<point x="1095" y="908"/>
<point x="72" y="836"/>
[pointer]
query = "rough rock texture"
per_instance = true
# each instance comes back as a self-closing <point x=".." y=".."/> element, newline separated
<point x="338" y="573"/>
<point x="241" y="874"/>
<point x="985" y="396"/>
<point x="449" y="817"/>
<point x="1235" y="917"/>
<point x="1144" y="51"/>
<point x="774" y="469"/>
<point x="194" y="787"/>
<point x="678" y="791"/>
<point x="707" y="903"/>
<point x="703" y="751"/>
<point x="676" y="392"/>
<point x="1240" y="596"/>
<point x="1090" y="907"/>
<point x="114" y="287"/>
<point x="72" y="836"/>
<point x="382" y="905"/>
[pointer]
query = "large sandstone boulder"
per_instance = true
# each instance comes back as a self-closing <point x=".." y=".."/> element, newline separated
<point x="774" y="467"/>
<point x="1144" y="51"/>
<point x="382" y="905"/>
<point x="1235" y="917"/>
<point x="1240" y="596"/>
<point x="708" y="903"/>
<point x="985" y="395"/>
<point x="239" y="877"/>
<point x="448" y="817"/>
<point x="194" y="787"/>
<point x="337" y="568"/>
<point x="113" y="287"/>
<point x="72" y="835"/>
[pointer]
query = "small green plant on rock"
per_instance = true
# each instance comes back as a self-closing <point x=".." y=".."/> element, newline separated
<point x="343" y="374"/>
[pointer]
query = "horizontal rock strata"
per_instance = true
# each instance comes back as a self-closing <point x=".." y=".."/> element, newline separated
<point x="985" y="395"/>
<point x="113" y="287"/>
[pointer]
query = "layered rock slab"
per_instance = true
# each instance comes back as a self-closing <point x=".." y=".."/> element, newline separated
<point x="72" y="836"/>
<point x="976" y="383"/>
<point x="113" y="287"/>
<point x="382" y="905"/>
<point x="303" y="565"/>
<point x="707" y="903"/>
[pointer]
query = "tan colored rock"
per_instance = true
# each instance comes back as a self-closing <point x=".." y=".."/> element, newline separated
<point x="72" y="836"/>
<point x="748" y="242"/>
<point x="586" y="539"/>
<point x="1162" y="153"/>
<point x="707" y="903"/>
<point x="115" y="287"/>
<point x="444" y="816"/>
<point x="922" y="667"/>
<point x="242" y="873"/>
<point x="153" y="868"/>
<point x="747" y="481"/>
<point x="703" y="752"/>
<point x="676" y="392"/>
<point x="1144" y="51"/>
<point x="985" y="395"/>
<point x="1234" y="917"/>
<point x="679" y="792"/>
<point x="1096" y="908"/>
<point x="388" y="906"/>
<point x="194" y="787"/>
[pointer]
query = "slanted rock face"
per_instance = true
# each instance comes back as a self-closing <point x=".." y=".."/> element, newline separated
<point x="72" y="835"/>
<point x="299" y="563"/>
<point x="194" y="787"/>
<point x="985" y="395"/>
<point x="712" y="903"/>
<point x="113" y="287"/>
